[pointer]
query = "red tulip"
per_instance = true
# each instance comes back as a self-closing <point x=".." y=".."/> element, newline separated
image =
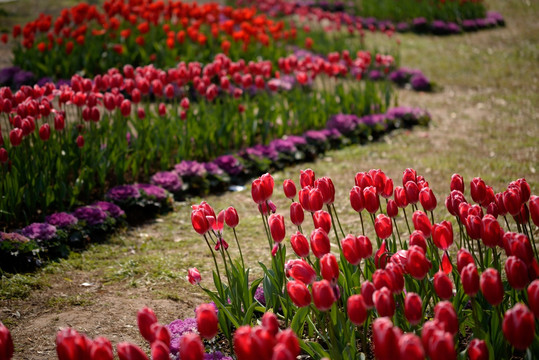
<point x="400" y="197"/>
<point x="417" y="265"/>
<point x="127" y="351"/>
<point x="372" y="202"/>
<point x="80" y="141"/>
<point x="427" y="199"/>
<point x="277" y="228"/>
<point x="231" y="217"/>
<point x="519" y="326"/>
<point x="306" y="178"/>
<point x="15" y="137"/>
<point x="388" y="189"/>
<point x="525" y="190"/>
<point x="418" y="238"/>
<point x="363" y="180"/>
<point x="161" y="334"/>
<point x="381" y="278"/>
<point x="457" y="183"/>
<point x="453" y="201"/>
<point x="193" y="276"/>
<point x="71" y="345"/>
<point x="491" y="232"/>
<point x="445" y="313"/>
<point x="385" y="339"/>
<point x="446" y="265"/>
<point x="125" y="108"/>
<point x="160" y="351"/>
<point x="491" y="286"/>
<point x="429" y="327"/>
<point x="367" y="290"/>
<point x="382" y="256"/>
<point x="300" y="244"/>
<point x="145" y="319"/>
<point x="262" y="188"/>
<point x="290" y="340"/>
<point x="412" y="192"/>
<point x="45" y="132"/>
<point x="409" y="174"/>
<point x="499" y="204"/>
<point x="464" y="257"/>
<point x="299" y="294"/>
<point x="443" y="285"/>
<point x="191" y="347"/>
<point x="534" y="209"/>
<point x="199" y="221"/>
<point x="311" y="199"/>
<point x="101" y="349"/>
<point x="384" y="302"/>
<point x="329" y="268"/>
<point x="442" y="235"/>
<point x="356" y="199"/>
<point x="410" y="347"/>
<point x="281" y="352"/>
<point x="289" y="188"/>
<point x="421" y="222"/>
<point x="326" y="187"/>
<point x="489" y="197"/>
<point x="517" y="273"/>
<point x="478" y="190"/>
<point x="184" y="103"/>
<point x="356" y="309"/>
<point x="207" y="323"/>
<point x="533" y="297"/>
<point x="270" y="323"/>
<point x="296" y="214"/>
<point x="320" y="243"/>
<point x="300" y="270"/>
<point x="470" y="279"/>
<point x="441" y="346"/>
<point x="512" y="201"/>
<point x="6" y="343"/>
<point x="518" y="245"/>
<point x="392" y="209"/>
<point x="397" y="277"/>
<point x="478" y="350"/>
<point x="474" y="226"/>
<point x="322" y="219"/>
<point x="356" y="248"/>
<point x="323" y="295"/>
<point x="4" y="157"/>
<point x="383" y="226"/>
<point x="413" y="308"/>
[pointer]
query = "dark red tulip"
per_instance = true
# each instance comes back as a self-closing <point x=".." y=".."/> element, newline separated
<point x="491" y="231"/>
<point x="160" y="351"/>
<point x="492" y="209"/>
<point x="71" y="345"/>
<point x="296" y="213"/>
<point x="6" y="343"/>
<point x="446" y="265"/>
<point x="418" y="238"/>
<point x="445" y="313"/>
<point x="478" y="190"/>
<point x="288" y="338"/>
<point x="329" y="268"/>
<point x="306" y="178"/>
<point x="15" y="137"/>
<point x="320" y="243"/>
<point x="491" y="286"/>
<point x="523" y="216"/>
<point x="385" y="339"/>
<point x="427" y="199"/>
<point x="464" y="257"/>
<point x="363" y="180"/>
<point x="417" y="264"/>
<point x="322" y="219"/>
<point x="356" y="249"/>
<point x="534" y="209"/>
<point x="199" y="221"/>
<point x="470" y="279"/>
<point x="400" y="197"/>
<point x="125" y="107"/>
<point x="384" y="302"/>
<point x="383" y="226"/>
<point x="80" y="141"/>
<point x="441" y="346"/>
<point x="382" y="256"/>
<point x="457" y="183"/>
<point x="478" y="350"/>
<point x="191" y="347"/>
<point x="502" y="211"/>
<point x="382" y="278"/>
<point x="518" y="245"/>
<point x="145" y="319"/>
<point x="519" y="326"/>
<point x="517" y="273"/>
<point x="453" y="202"/>
<point x="299" y="294"/>
<point x="207" y="323"/>
<point x="421" y="222"/>
<point x="443" y="285"/>
<point x="160" y="333"/>
<point x="281" y="352"/>
<point x="413" y="308"/>
<point x="289" y="188"/>
<point x="277" y="228"/>
<point x="388" y="189"/>
<point x="474" y="226"/>
<point x="409" y="175"/>
<point x="412" y="192"/>
<point x="372" y="202"/>
<point x="356" y="199"/>
<point x="410" y="347"/>
<point x="127" y="351"/>
<point x="262" y="188"/>
<point x="392" y="208"/>
<point x="356" y="309"/>
<point x="327" y="188"/>
<point x="489" y="197"/>
<point x="231" y="217"/>
<point x="397" y="277"/>
<point x="300" y="244"/>
<point x="429" y="327"/>
<point x="367" y="290"/>
<point x="512" y="201"/>
<point x="323" y="295"/>
<point x="533" y="297"/>
<point x="442" y="234"/>
<point x="399" y="259"/>
<point x="300" y="270"/>
<point x="270" y="323"/>
<point x="4" y="156"/>
<point x="311" y="199"/>
<point x="101" y="349"/>
<point x="45" y="132"/>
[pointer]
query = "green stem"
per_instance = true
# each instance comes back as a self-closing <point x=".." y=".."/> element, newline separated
<point x="406" y="218"/>
<point x="239" y="248"/>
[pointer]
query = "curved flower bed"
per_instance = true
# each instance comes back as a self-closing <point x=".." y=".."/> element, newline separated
<point x="30" y="246"/>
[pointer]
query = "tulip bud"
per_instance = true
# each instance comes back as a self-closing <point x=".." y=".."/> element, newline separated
<point x="323" y="295"/>
<point x="400" y="197"/>
<point x="478" y="190"/>
<point x="421" y="222"/>
<point x="160" y="351"/>
<point x="491" y="231"/>
<point x="464" y="257"/>
<point x="427" y="199"/>
<point x="367" y="290"/>
<point x="533" y="297"/>
<point x="289" y="188"/>
<point x="384" y="302"/>
<point x="442" y="235"/>
<point x="470" y="279"/>
<point x="4" y="156"/>
<point x="445" y="314"/>
<point x="262" y="188"/>
<point x="392" y="209"/>
<point x="478" y="350"/>
<point x="322" y="219"/>
<point x="519" y="326"/>
<point x="207" y="322"/>
<point x="388" y="189"/>
<point x="443" y="285"/>
<point x="413" y="308"/>
<point x="161" y="334"/>
<point x="410" y="347"/>
<point x="80" y="141"/>
<point x="127" y="351"/>
<point x="412" y="192"/>
<point x="191" y="347"/>
<point x="534" y="209"/>
<point x="6" y="343"/>
<point x="383" y="226"/>
<point x="327" y="188"/>
<point x="270" y="323"/>
<point x="231" y="217"/>
<point x="101" y="349"/>
<point x="356" y="309"/>
<point x="45" y="132"/>
<point x="409" y="174"/>
<point x="372" y="202"/>
<point x="329" y="268"/>
<point x="145" y="319"/>
<point x="441" y="346"/>
<point x="288" y="338"/>
<point x="356" y="199"/>
<point x="199" y="221"/>
<point x="277" y="228"/>
<point x="306" y="178"/>
<point x="512" y="201"/>
<point x="417" y="265"/>
<point x="385" y="339"/>
<point x="363" y="180"/>
<point x="300" y="270"/>
<point x="299" y="294"/>
<point x="418" y="238"/>
<point x="193" y="276"/>
<point x="517" y="273"/>
<point x="457" y="183"/>
<point x="491" y="286"/>
<point x="320" y="243"/>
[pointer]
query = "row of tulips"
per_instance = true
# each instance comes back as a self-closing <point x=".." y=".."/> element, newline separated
<point x="35" y="243"/>
<point x="91" y="40"/>
<point x="404" y="288"/>
<point x="73" y="140"/>
<point x="385" y="11"/>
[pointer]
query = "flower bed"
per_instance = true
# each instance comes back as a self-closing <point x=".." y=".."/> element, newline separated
<point x="136" y="203"/>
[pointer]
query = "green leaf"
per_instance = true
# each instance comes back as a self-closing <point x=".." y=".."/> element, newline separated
<point x="249" y="314"/>
<point x="298" y="320"/>
<point x="223" y="307"/>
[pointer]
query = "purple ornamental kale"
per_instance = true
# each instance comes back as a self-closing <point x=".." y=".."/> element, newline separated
<point x="259" y="295"/>
<point x="177" y="328"/>
<point x="39" y="231"/>
<point x="168" y="180"/>
<point x="152" y="191"/>
<point x="13" y="237"/>
<point x="420" y="83"/>
<point x="213" y="169"/>
<point x="93" y="215"/>
<point x="190" y="168"/>
<point x="283" y="146"/>
<point x="114" y="210"/>
<point x="318" y="136"/>
<point x="229" y="164"/>
<point x="61" y="219"/>
<point x="123" y="193"/>
<point x="344" y="123"/>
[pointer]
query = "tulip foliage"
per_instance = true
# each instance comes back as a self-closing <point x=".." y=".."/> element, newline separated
<point x="419" y="287"/>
